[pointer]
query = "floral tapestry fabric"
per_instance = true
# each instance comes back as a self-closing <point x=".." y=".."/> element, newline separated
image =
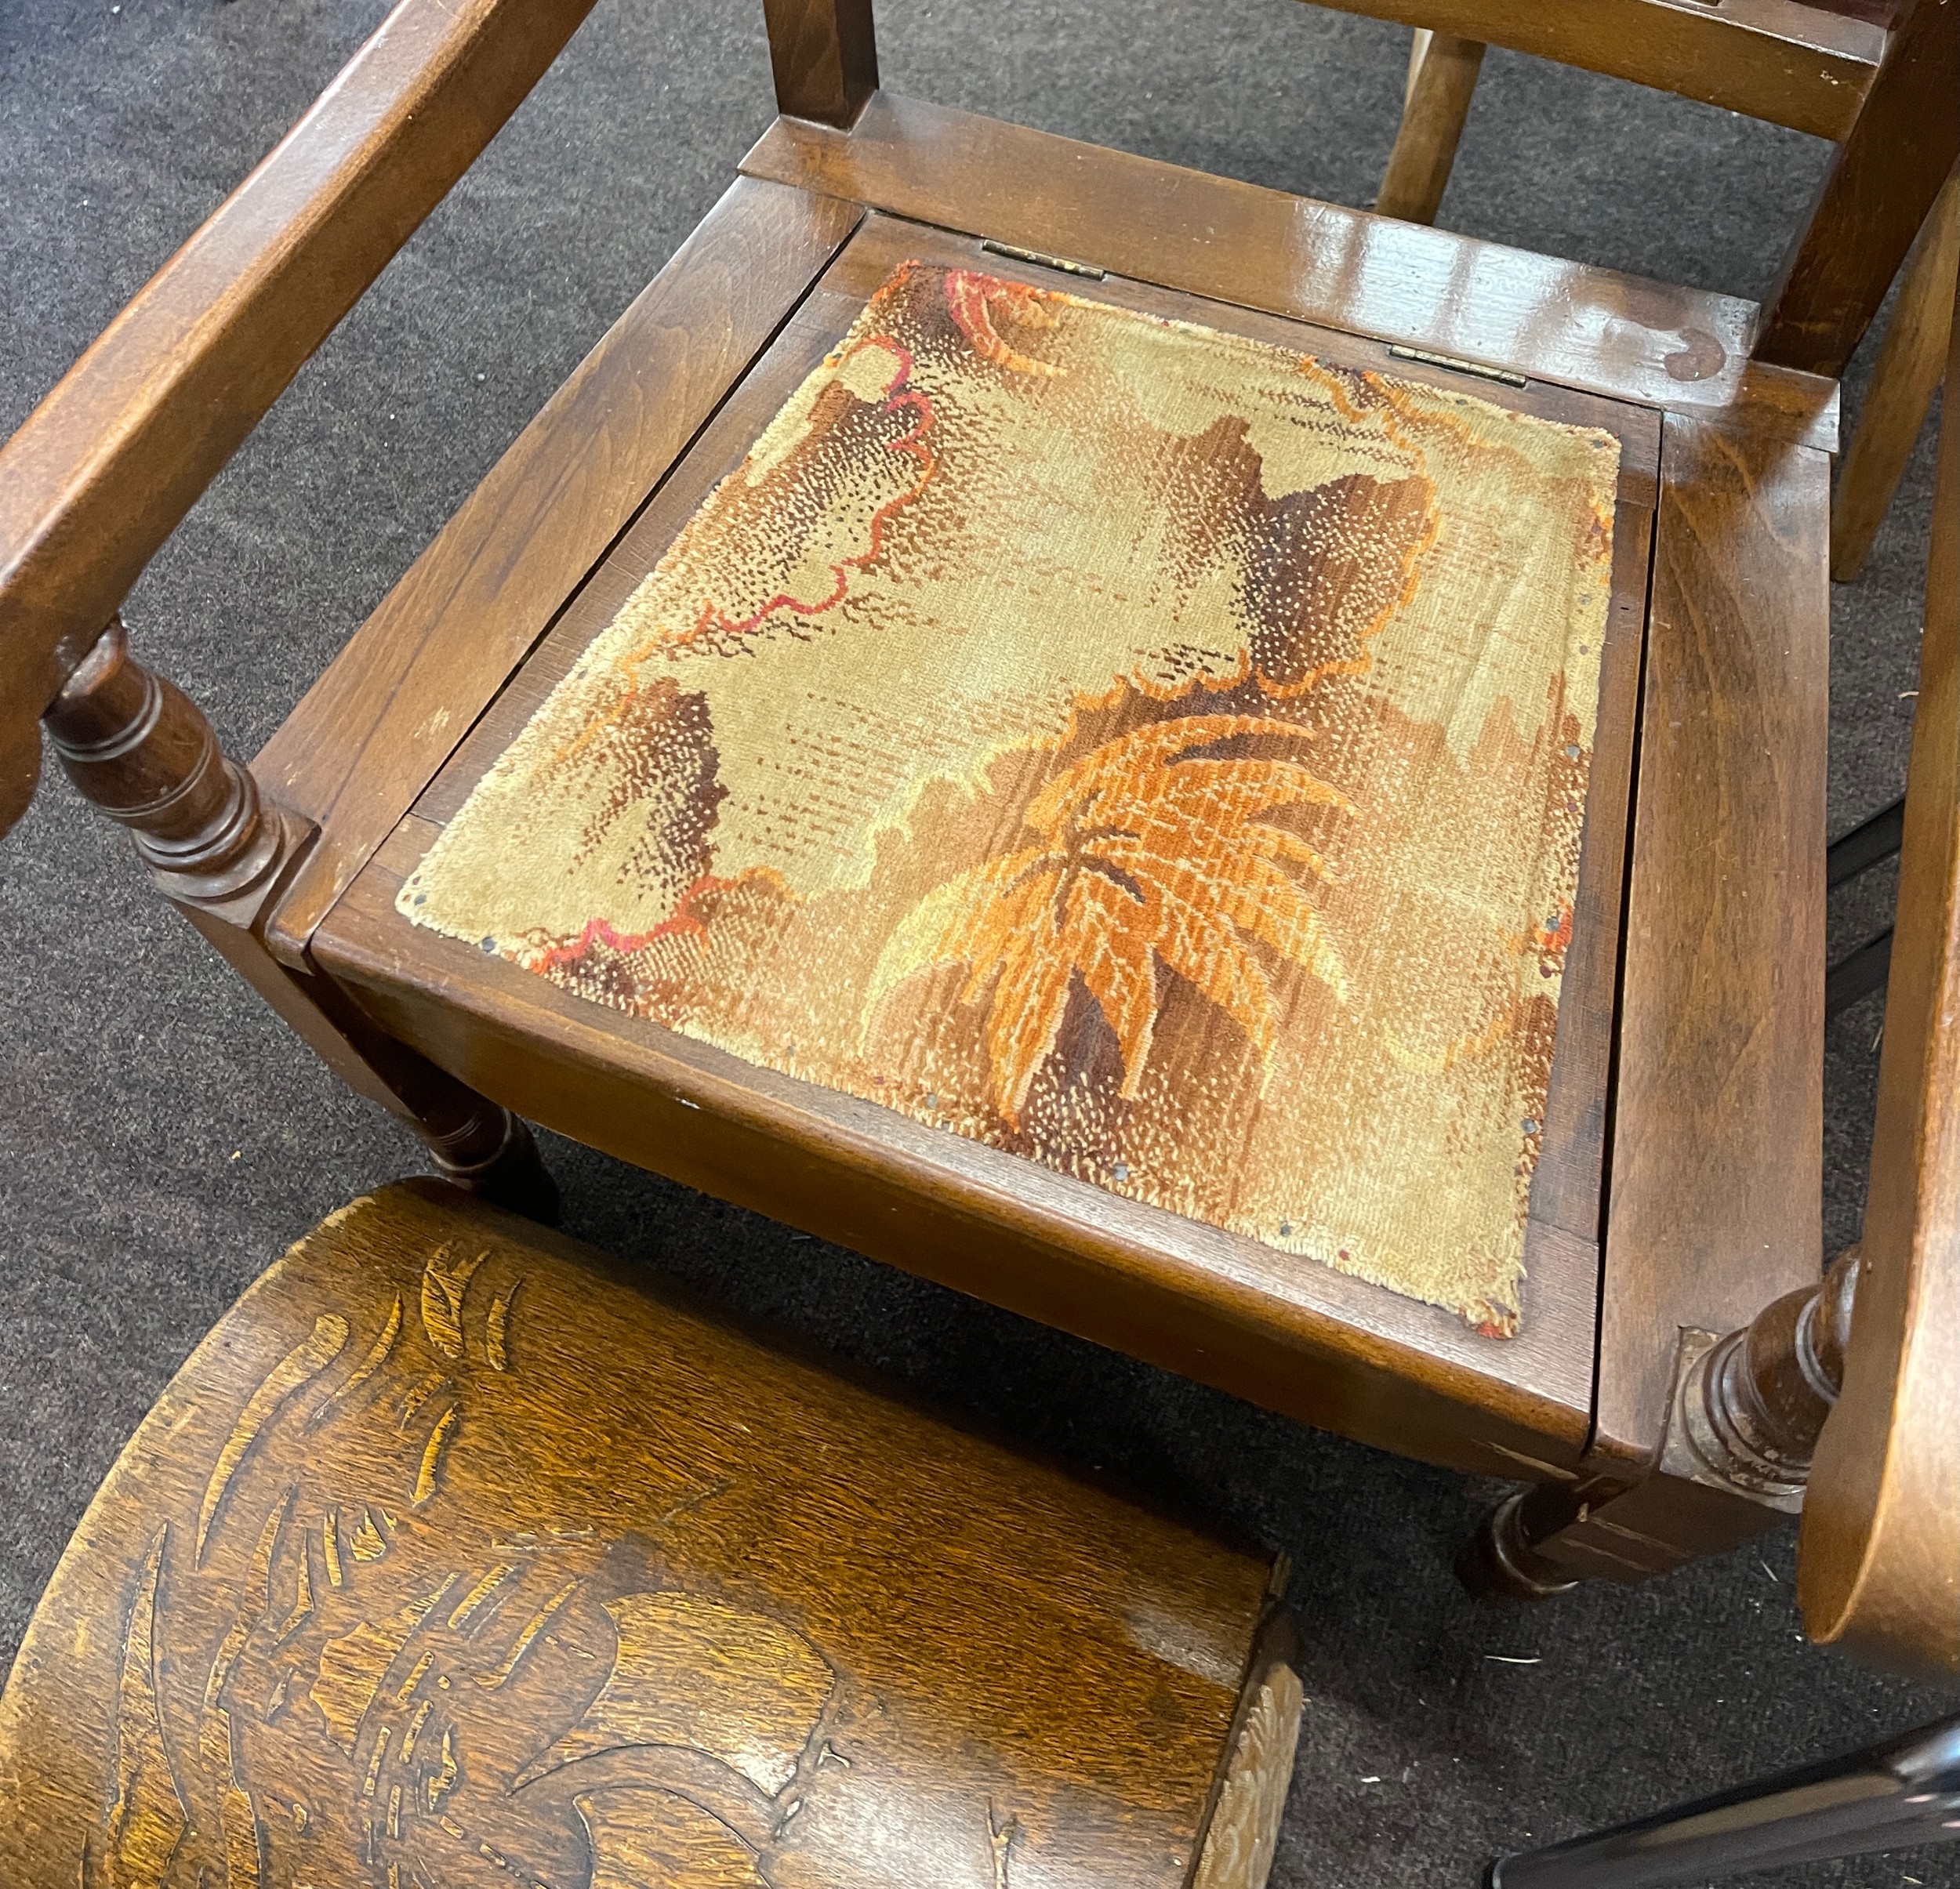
<point x="1150" y="752"/>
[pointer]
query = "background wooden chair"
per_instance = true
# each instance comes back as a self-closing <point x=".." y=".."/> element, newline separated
<point x="1828" y="47"/>
<point x="1711" y="1019"/>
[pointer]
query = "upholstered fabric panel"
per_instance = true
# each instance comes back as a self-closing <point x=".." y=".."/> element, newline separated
<point x="1153" y="752"/>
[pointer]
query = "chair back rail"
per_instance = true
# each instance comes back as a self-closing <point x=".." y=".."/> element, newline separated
<point x="1895" y="122"/>
<point x="1879" y="1562"/>
<point x="106" y="466"/>
<point x="1807" y="67"/>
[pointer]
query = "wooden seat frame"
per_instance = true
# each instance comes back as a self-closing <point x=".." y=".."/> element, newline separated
<point x="1646" y="1441"/>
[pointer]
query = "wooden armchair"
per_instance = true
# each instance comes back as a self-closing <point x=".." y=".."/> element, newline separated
<point x="1666" y="1181"/>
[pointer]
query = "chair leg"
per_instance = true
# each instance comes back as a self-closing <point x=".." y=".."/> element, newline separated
<point x="1442" y="75"/>
<point x="138" y="748"/>
<point x="1746" y="1414"/>
<point x="1910" y="364"/>
<point x="1888" y="1797"/>
<point x="1500" y="1560"/>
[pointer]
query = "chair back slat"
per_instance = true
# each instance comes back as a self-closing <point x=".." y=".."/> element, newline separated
<point x="1880" y="1548"/>
<point x="1875" y="196"/>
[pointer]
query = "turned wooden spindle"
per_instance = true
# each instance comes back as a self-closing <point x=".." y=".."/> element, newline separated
<point x="138" y="747"/>
<point x="1748" y="1413"/>
<point x="1755" y="1405"/>
<point x="135" y="746"/>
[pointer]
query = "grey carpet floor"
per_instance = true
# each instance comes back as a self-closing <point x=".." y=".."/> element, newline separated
<point x="160" y="1139"/>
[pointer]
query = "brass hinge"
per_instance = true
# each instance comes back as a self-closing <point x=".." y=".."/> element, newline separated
<point x="1458" y="366"/>
<point x="1062" y="263"/>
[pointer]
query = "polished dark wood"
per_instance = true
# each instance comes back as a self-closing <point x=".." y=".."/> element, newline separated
<point x="371" y="732"/>
<point x="1841" y="263"/>
<point x="1755" y="1404"/>
<point x="1807" y="66"/>
<point x="106" y="466"/>
<point x="1313" y="1343"/>
<point x="1567" y="1192"/>
<point x="456" y="1554"/>
<point x="1718" y="1103"/>
<point x="825" y="55"/>
<point x="1717" y="1132"/>
<point x="1745" y="1417"/>
<point x="1689" y="1051"/>
<point x="135" y="746"/>
<point x="1879" y="1566"/>
<point x="1679" y="349"/>
<point x="1837" y="1400"/>
<point x="1878" y="193"/>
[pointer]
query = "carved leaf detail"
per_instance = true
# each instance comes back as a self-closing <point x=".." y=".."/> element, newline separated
<point x="300" y="1365"/>
<point x="650" y="1839"/>
<point x="443" y="1282"/>
<point x="351" y="1668"/>
<point x="147" y="1817"/>
<point x="1147" y="854"/>
<point x="692" y="1672"/>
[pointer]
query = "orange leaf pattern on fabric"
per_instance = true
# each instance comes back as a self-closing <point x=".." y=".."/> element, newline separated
<point x="1150" y="854"/>
<point x="1155" y="754"/>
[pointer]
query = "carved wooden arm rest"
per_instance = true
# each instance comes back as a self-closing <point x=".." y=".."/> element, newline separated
<point x="107" y="466"/>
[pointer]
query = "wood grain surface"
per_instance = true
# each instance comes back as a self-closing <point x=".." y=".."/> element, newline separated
<point x="1716" y="1163"/>
<point x="1315" y="1344"/>
<point x="825" y="55"/>
<point x="1689" y="1067"/>
<point x="106" y="467"/>
<point x="1443" y="79"/>
<point x="1878" y="1566"/>
<point x="1567" y="1191"/>
<point x="454" y="1555"/>
<point x="1592" y="329"/>
<point x="137" y="749"/>
<point x="373" y="731"/>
